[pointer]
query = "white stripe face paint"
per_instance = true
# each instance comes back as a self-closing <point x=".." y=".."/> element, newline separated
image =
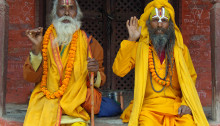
<point x="160" y="14"/>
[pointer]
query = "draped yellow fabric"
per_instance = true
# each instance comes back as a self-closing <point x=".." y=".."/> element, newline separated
<point x="137" y="55"/>
<point x="47" y="111"/>
<point x="161" y="105"/>
<point x="76" y="124"/>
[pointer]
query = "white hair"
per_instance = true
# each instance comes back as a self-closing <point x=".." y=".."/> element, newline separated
<point x="65" y="30"/>
<point x="54" y="10"/>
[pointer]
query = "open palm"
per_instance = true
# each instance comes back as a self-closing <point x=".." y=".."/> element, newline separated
<point x="133" y="29"/>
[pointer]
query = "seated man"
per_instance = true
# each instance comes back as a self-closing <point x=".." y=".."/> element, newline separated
<point x="165" y="93"/>
<point x="59" y="65"/>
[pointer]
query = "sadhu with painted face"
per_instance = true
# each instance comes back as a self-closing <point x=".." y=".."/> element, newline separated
<point x="165" y="93"/>
<point x="59" y="65"/>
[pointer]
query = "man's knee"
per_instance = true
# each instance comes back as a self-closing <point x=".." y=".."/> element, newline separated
<point x="149" y="121"/>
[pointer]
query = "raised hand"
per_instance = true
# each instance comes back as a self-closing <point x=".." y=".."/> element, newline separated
<point x="36" y="37"/>
<point x="133" y="29"/>
<point x="183" y="110"/>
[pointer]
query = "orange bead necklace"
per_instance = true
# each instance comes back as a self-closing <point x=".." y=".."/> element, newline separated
<point x="162" y="81"/>
<point x="69" y="66"/>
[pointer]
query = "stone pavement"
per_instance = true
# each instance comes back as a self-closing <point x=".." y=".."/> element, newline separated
<point x="15" y="115"/>
<point x="109" y="121"/>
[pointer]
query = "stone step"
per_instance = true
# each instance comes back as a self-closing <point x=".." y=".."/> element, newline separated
<point x="109" y="121"/>
<point x="15" y="115"/>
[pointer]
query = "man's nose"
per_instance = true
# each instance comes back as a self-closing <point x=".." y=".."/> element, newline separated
<point x="159" y="24"/>
<point x="67" y="11"/>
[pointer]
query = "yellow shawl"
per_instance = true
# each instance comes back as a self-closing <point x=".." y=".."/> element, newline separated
<point x="48" y="112"/>
<point x="141" y="69"/>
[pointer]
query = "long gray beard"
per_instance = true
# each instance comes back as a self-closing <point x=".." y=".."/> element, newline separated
<point x="164" y="41"/>
<point x="159" y="42"/>
<point x="65" y="30"/>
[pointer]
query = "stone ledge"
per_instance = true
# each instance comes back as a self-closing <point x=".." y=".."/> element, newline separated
<point x="15" y="116"/>
<point x="106" y="121"/>
<point x="109" y="121"/>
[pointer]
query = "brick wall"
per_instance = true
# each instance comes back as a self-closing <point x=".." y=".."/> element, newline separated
<point x="4" y="122"/>
<point x="21" y="17"/>
<point x="196" y="34"/>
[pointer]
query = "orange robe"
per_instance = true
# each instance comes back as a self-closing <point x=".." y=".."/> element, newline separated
<point x="136" y="55"/>
<point x="47" y="112"/>
<point x="35" y="76"/>
<point x="158" y="109"/>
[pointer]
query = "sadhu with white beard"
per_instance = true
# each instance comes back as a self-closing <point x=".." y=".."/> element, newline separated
<point x="59" y="65"/>
<point x="165" y="93"/>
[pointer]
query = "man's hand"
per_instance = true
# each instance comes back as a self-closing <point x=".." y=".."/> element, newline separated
<point x="133" y="29"/>
<point x="183" y="110"/>
<point x="36" y="37"/>
<point x="93" y="65"/>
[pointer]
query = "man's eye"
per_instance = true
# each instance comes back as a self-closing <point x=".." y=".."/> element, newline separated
<point x="155" y="19"/>
<point x="71" y="7"/>
<point x="164" y="20"/>
<point x="61" y="7"/>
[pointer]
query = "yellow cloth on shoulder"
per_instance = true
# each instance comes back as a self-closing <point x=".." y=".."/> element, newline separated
<point x="44" y="112"/>
<point x="137" y="56"/>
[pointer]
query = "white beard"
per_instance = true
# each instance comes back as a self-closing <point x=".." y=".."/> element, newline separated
<point x="65" y="31"/>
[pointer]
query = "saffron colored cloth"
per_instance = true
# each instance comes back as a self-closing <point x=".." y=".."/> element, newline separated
<point x="165" y="103"/>
<point x="76" y="124"/>
<point x="48" y="112"/>
<point x="72" y="120"/>
<point x="135" y="55"/>
<point x="152" y="118"/>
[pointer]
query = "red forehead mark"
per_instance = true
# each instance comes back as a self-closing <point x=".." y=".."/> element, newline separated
<point x="67" y="2"/>
<point x="160" y="14"/>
